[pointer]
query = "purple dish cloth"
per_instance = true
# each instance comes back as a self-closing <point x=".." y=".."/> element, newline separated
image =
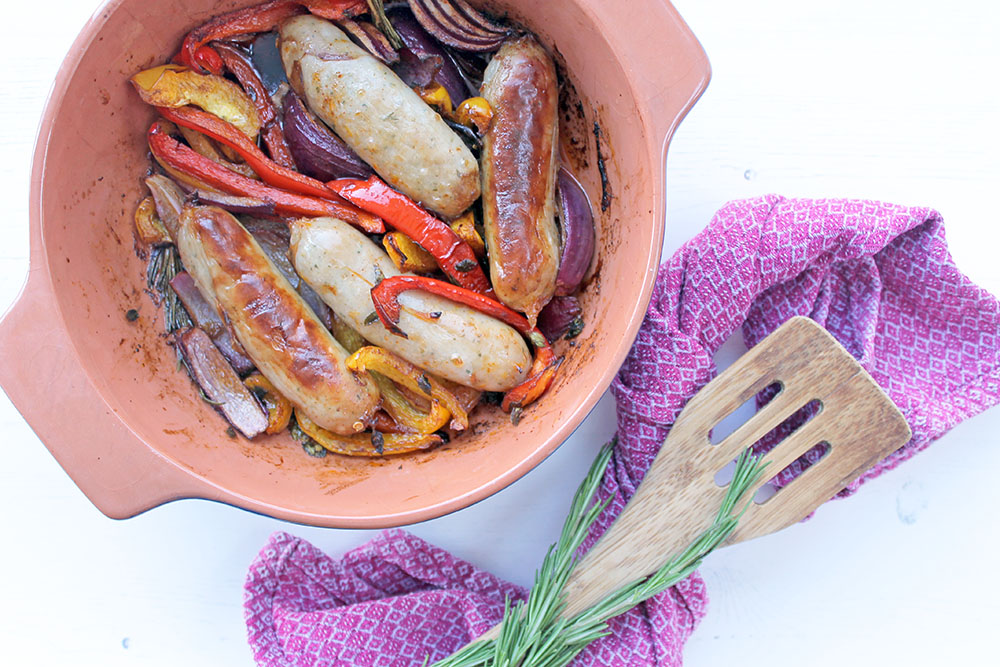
<point x="879" y="277"/>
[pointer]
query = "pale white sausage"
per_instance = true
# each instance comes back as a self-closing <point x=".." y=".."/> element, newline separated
<point x="405" y="141"/>
<point x="447" y="339"/>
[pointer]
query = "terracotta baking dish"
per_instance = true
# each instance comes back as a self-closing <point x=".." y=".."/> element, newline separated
<point x="104" y="394"/>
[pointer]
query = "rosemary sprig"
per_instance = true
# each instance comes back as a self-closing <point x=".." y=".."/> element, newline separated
<point x="533" y="633"/>
<point x="382" y="22"/>
<point x="164" y="264"/>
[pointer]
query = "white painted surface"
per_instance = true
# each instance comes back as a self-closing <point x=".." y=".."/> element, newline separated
<point x="895" y="100"/>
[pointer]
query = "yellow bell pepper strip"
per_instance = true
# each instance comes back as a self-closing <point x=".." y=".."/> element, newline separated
<point x="453" y="255"/>
<point x="178" y="157"/>
<point x="269" y="171"/>
<point x="384" y="423"/>
<point x="372" y="444"/>
<point x="465" y="227"/>
<point x="407" y="255"/>
<point x="436" y="95"/>
<point x="474" y="112"/>
<point x="259" y="18"/>
<point x="279" y="408"/>
<point x="399" y="370"/>
<point x="148" y="225"/>
<point x="405" y="413"/>
<point x="173" y="86"/>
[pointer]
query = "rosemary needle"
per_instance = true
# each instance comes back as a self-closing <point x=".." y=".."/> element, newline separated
<point x="533" y="633"/>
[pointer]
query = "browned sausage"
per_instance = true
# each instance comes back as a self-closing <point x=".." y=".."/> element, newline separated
<point x="519" y="160"/>
<point x="279" y="332"/>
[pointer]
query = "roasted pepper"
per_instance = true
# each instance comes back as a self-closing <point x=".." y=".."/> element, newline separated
<point x="371" y="444"/>
<point x="453" y="255"/>
<point x="406" y="254"/>
<point x="239" y="64"/>
<point x="474" y="112"/>
<point x="540" y="377"/>
<point x="173" y="86"/>
<point x="405" y="413"/>
<point x="465" y="227"/>
<point x="279" y="408"/>
<point x="436" y="95"/>
<point x="149" y="226"/>
<point x="399" y="370"/>
<point x="260" y="18"/>
<point x="269" y="171"/>
<point x="170" y="152"/>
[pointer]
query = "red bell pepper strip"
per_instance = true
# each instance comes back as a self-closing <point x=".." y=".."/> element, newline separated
<point x="178" y="156"/>
<point x="239" y="64"/>
<point x="260" y="18"/>
<point x="208" y="58"/>
<point x="453" y="255"/>
<point x="540" y="377"/>
<point x="269" y="171"/>
<point x="385" y="297"/>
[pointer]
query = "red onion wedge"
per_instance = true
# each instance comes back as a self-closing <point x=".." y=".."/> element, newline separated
<point x="423" y="60"/>
<point x="168" y="197"/>
<point x="577" y="233"/>
<point x="233" y="203"/>
<point x="220" y="384"/>
<point x="318" y="152"/>
<point x="370" y="39"/>
<point x="562" y="316"/>
<point x="455" y="23"/>
<point x="206" y="317"/>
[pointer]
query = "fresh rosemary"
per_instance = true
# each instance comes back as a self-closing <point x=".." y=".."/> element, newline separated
<point x="533" y="633"/>
<point x="164" y="264"/>
<point x="382" y="22"/>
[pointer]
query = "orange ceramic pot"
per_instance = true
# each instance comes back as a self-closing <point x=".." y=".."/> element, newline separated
<point x="104" y="394"/>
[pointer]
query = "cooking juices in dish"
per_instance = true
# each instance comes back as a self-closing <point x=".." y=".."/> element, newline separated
<point x="352" y="221"/>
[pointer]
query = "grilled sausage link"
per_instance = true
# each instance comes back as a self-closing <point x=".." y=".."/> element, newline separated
<point x="377" y="115"/>
<point x="279" y="332"/>
<point x="519" y="161"/>
<point x="449" y="340"/>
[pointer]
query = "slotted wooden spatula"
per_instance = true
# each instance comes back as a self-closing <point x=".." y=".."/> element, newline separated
<point x="679" y="497"/>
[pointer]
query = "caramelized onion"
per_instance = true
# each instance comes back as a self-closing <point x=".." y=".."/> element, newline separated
<point x="318" y="152"/>
<point x="455" y="23"/>
<point x="562" y="316"/>
<point x="233" y="203"/>
<point x="220" y="384"/>
<point x="370" y="39"/>
<point x="206" y="317"/>
<point x="577" y="233"/>
<point x="423" y="60"/>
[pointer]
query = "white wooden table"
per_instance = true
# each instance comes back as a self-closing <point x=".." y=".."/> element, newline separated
<point x="892" y="99"/>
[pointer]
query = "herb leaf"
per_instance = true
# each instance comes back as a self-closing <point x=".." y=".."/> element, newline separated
<point x="533" y="633"/>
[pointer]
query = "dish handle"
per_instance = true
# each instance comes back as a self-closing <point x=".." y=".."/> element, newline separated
<point x="42" y="375"/>
<point x="667" y="77"/>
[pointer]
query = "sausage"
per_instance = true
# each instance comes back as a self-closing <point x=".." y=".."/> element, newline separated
<point x="405" y="141"/>
<point x="449" y="340"/>
<point x="279" y="332"/>
<point x="519" y="161"/>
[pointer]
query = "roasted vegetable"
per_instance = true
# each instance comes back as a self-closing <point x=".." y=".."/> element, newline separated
<point x="173" y="86"/>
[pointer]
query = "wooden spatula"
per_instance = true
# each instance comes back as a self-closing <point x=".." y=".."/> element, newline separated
<point x="679" y="497"/>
